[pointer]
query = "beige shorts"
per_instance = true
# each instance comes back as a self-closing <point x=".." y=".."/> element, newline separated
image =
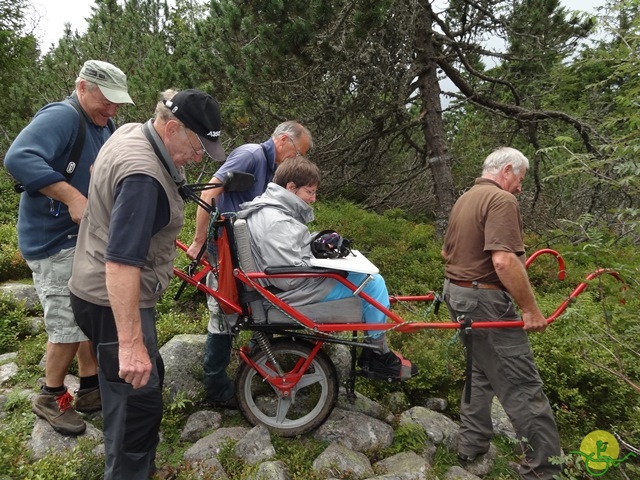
<point x="51" y="279"/>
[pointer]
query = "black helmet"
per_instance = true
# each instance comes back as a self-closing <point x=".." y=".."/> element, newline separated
<point x="330" y="244"/>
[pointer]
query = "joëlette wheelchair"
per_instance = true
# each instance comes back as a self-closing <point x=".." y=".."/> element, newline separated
<point x="286" y="381"/>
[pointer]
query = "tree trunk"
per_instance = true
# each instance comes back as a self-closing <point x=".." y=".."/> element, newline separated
<point x="436" y="147"/>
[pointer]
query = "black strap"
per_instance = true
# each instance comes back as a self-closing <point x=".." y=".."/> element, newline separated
<point x="162" y="154"/>
<point x="436" y="304"/>
<point x="78" y="145"/>
<point x="76" y="151"/>
<point x="467" y="331"/>
<point x="74" y="156"/>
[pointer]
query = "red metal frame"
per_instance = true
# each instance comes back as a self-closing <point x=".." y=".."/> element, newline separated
<point x="198" y="279"/>
<point x="396" y="323"/>
<point x="291" y="378"/>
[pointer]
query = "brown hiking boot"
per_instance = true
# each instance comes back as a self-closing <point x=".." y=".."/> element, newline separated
<point x="88" y="400"/>
<point x="58" y="411"/>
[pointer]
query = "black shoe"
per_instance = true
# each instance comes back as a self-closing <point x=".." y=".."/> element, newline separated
<point x="390" y="366"/>
<point x="229" y="403"/>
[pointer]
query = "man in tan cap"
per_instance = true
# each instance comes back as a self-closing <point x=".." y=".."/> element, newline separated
<point x="109" y="79"/>
<point x="124" y="263"/>
<point x="51" y="159"/>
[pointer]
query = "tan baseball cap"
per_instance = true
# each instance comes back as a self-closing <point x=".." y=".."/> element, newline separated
<point x="110" y="79"/>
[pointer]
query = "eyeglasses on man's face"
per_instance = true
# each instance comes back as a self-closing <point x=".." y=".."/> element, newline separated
<point x="295" y="147"/>
<point x="197" y="152"/>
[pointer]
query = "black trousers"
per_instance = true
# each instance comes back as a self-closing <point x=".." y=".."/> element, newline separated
<point x="131" y="417"/>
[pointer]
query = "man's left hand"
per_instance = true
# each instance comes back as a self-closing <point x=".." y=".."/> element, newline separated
<point x="534" y="322"/>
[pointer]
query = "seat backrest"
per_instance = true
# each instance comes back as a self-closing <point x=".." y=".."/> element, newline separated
<point x="245" y="260"/>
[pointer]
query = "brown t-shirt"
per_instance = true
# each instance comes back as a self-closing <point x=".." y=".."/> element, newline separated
<point x="484" y="219"/>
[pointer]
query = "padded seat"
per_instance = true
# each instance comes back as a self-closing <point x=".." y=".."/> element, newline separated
<point x="346" y="310"/>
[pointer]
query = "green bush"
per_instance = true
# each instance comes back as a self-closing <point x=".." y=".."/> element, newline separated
<point x="12" y="265"/>
<point x="588" y="358"/>
<point x="9" y="200"/>
<point x="583" y="359"/>
<point x="14" y="325"/>
<point x="407" y="253"/>
<point x="409" y="437"/>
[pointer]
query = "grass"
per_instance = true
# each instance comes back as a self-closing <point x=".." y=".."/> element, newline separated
<point x="596" y="333"/>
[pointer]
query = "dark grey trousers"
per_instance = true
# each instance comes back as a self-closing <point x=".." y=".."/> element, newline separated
<point x="503" y="366"/>
<point x="131" y="417"/>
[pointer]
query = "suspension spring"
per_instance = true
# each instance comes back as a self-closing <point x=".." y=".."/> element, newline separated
<point x="265" y="346"/>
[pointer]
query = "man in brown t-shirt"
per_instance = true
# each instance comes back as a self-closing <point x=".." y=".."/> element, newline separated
<point x="485" y="280"/>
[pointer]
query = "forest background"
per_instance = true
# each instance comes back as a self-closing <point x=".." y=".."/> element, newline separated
<point x="396" y="148"/>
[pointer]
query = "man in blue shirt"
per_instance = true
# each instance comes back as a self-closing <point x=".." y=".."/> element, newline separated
<point x="49" y="214"/>
<point x="289" y="139"/>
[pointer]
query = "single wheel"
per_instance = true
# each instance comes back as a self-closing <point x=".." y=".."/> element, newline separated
<point x="311" y="400"/>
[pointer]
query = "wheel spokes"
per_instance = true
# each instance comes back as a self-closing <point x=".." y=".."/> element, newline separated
<point x="282" y="409"/>
<point x="308" y="379"/>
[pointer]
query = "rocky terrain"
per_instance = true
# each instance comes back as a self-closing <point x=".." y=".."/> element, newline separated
<point x="355" y="427"/>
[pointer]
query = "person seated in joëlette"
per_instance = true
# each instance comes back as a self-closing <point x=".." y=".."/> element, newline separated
<point x="277" y="222"/>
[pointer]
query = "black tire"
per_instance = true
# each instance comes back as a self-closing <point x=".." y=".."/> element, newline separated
<point x="311" y="401"/>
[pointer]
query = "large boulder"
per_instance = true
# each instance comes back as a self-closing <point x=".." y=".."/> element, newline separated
<point x="21" y="292"/>
<point x="355" y="431"/>
<point x="183" y="356"/>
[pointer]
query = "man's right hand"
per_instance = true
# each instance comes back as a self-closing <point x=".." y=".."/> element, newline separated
<point x="202" y="219"/>
<point x="69" y="195"/>
<point x="135" y="365"/>
<point x="513" y="275"/>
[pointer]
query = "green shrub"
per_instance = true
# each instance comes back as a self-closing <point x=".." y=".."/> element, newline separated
<point x="14" y="325"/>
<point x="174" y="323"/>
<point x="9" y="200"/>
<point x="32" y="349"/>
<point x="12" y="265"/>
<point x="409" y="437"/>
<point x="407" y="253"/>
<point x="298" y="454"/>
<point x="588" y="360"/>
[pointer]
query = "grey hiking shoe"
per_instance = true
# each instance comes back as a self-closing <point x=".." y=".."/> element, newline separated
<point x="58" y="411"/>
<point x="88" y="400"/>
